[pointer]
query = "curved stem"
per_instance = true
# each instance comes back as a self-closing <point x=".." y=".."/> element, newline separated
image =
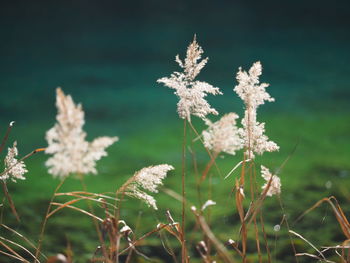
<point x="41" y="236"/>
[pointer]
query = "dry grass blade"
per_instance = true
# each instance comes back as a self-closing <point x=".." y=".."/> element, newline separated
<point x="335" y="247"/>
<point x="63" y="206"/>
<point x="308" y="242"/>
<point x="168" y="228"/>
<point x="134" y="243"/>
<point x="209" y="165"/>
<point x="13" y="252"/>
<point x="17" y="245"/>
<point x="224" y="254"/>
<point x="203" y="252"/>
<point x="209" y="153"/>
<point x="21" y="236"/>
<point x="74" y="208"/>
<point x="167" y="246"/>
<point x="42" y="231"/>
<point x="99" y="199"/>
<point x="11" y="256"/>
<point x="172" y="194"/>
<point x="314" y="256"/>
<point x="236" y="166"/>
<point x="339" y="214"/>
<point x="82" y="193"/>
<point x="10" y="201"/>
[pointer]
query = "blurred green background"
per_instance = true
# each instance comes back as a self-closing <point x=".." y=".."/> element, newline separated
<point x="108" y="56"/>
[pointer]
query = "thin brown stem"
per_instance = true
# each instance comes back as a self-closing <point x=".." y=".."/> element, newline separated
<point x="195" y="167"/>
<point x="265" y="238"/>
<point x="239" y="202"/>
<point x="10" y="201"/>
<point x="183" y="240"/>
<point x="3" y="182"/>
<point x="42" y="231"/>
<point x="104" y="251"/>
<point x="222" y="251"/>
<point x="209" y="165"/>
<point x="209" y="153"/>
<point x="210" y="193"/>
<point x="4" y="140"/>
<point x="288" y="228"/>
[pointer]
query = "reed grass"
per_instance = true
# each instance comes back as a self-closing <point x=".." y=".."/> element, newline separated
<point x="185" y="237"/>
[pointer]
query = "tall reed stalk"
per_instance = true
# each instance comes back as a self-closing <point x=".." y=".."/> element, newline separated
<point x="183" y="178"/>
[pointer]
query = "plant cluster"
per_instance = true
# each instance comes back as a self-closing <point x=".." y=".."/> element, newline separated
<point x="70" y="154"/>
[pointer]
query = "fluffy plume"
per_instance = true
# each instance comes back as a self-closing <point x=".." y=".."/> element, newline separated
<point x="16" y="169"/>
<point x="275" y="186"/>
<point x="253" y="93"/>
<point x="71" y="153"/>
<point x="148" y="178"/>
<point x="223" y="136"/>
<point x="191" y="92"/>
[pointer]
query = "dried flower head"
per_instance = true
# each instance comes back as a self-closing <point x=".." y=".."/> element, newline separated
<point x="253" y="93"/>
<point x="71" y="153"/>
<point x="275" y="185"/>
<point x="13" y="168"/>
<point x="148" y="178"/>
<point x="191" y="92"/>
<point x="222" y="135"/>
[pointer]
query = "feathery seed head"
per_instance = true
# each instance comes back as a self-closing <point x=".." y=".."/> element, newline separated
<point x="71" y="153"/>
<point x="253" y="95"/>
<point x="191" y="93"/>
<point x="222" y="135"/>
<point x="14" y="169"/>
<point x="148" y="178"/>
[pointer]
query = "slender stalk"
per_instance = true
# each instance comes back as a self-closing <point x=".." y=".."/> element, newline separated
<point x="195" y="167"/>
<point x="239" y="202"/>
<point x="10" y="201"/>
<point x="209" y="165"/>
<point x="81" y="177"/>
<point x="210" y="193"/>
<point x="42" y="231"/>
<point x="222" y="251"/>
<point x="253" y="190"/>
<point x="4" y="140"/>
<point x="183" y="240"/>
<point x="265" y="238"/>
<point x="209" y="153"/>
<point x="287" y="224"/>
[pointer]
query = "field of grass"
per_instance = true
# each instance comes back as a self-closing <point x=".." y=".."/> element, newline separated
<point x="109" y="55"/>
<point x="319" y="167"/>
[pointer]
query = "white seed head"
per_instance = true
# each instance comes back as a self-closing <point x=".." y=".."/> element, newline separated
<point x="223" y="135"/>
<point x="253" y="93"/>
<point x="191" y="92"/>
<point x="71" y="153"/>
<point x="13" y="168"/>
<point x="148" y="178"/>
